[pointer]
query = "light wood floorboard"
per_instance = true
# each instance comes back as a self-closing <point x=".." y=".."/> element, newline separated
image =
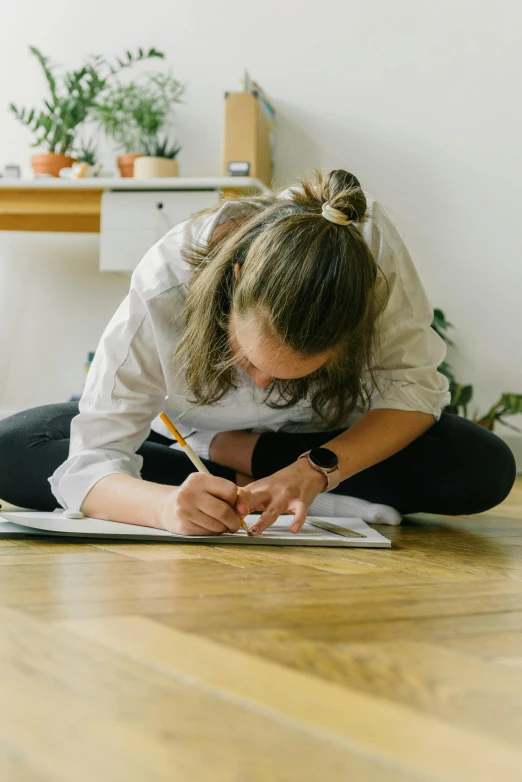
<point x="149" y="663"/>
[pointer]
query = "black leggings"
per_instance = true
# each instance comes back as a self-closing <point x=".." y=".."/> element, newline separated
<point x="456" y="467"/>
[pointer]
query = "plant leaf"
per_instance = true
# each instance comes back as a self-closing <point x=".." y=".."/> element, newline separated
<point x="47" y="69"/>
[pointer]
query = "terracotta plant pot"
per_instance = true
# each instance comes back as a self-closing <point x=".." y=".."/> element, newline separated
<point x="50" y="163"/>
<point x="152" y="167"/>
<point x="126" y="164"/>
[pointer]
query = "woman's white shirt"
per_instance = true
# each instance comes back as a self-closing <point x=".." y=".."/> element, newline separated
<point x="133" y="378"/>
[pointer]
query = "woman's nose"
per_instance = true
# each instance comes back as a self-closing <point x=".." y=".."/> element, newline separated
<point x="259" y="378"/>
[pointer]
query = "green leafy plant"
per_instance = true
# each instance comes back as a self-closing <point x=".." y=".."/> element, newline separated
<point x="161" y="148"/>
<point x="461" y="395"/>
<point x="72" y="97"/>
<point x="133" y="114"/>
<point x="87" y="151"/>
<point x="508" y="404"/>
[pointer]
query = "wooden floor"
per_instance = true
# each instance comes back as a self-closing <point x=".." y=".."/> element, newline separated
<point x="141" y="662"/>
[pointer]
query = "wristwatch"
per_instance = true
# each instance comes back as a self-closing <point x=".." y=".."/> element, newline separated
<point x="325" y="461"/>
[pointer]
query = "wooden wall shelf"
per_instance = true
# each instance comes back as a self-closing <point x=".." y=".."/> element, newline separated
<point x="59" y="205"/>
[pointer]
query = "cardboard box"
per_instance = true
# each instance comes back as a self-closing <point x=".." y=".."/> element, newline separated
<point x="248" y="137"/>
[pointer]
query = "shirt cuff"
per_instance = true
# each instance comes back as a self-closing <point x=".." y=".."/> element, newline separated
<point x="70" y="486"/>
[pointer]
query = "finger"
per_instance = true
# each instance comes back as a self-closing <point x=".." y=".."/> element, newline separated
<point x="190" y="528"/>
<point x="219" y="487"/>
<point x="299" y="509"/>
<point x="243" y="502"/>
<point x="219" y="510"/>
<point x="207" y="523"/>
<point x="266" y="519"/>
<point x="260" y="495"/>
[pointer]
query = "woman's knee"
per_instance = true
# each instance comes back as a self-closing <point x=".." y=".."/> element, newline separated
<point x="25" y="442"/>
<point x="14" y="432"/>
<point x="48" y="422"/>
<point x="503" y="470"/>
<point x="489" y="466"/>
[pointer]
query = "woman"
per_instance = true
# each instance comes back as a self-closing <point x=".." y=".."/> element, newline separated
<point x="269" y="329"/>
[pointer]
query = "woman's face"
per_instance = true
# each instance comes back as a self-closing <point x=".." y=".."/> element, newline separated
<point x="264" y="357"/>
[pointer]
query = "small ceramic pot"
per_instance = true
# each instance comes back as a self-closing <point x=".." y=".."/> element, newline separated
<point x="152" y="167"/>
<point x="126" y="164"/>
<point x="51" y="163"/>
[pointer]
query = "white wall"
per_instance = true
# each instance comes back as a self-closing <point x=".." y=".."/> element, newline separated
<point x="420" y="100"/>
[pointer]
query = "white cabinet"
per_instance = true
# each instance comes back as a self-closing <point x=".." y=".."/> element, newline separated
<point x="131" y="222"/>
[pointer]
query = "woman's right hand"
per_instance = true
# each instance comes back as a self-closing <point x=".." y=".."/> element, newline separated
<point x="202" y="505"/>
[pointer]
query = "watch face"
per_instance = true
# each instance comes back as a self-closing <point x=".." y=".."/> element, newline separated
<point x="324" y="458"/>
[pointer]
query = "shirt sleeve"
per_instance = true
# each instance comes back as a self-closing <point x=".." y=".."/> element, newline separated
<point x="125" y="390"/>
<point x="409" y="350"/>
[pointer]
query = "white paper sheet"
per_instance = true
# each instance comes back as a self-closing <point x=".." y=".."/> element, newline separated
<point x="34" y="523"/>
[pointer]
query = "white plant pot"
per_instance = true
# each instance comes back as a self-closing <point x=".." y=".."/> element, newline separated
<point x="152" y="167"/>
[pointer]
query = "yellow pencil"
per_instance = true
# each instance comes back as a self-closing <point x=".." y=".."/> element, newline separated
<point x="192" y="455"/>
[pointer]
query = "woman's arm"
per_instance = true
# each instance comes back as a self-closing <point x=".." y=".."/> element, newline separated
<point x="373" y="438"/>
<point x="123" y="498"/>
<point x="234" y="450"/>
<point x="202" y="505"/>
<point x="125" y="391"/>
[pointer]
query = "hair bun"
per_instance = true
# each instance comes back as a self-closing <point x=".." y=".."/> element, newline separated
<point x="340" y="189"/>
<point x="343" y="191"/>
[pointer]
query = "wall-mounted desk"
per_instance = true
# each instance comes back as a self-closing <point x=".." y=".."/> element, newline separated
<point x="130" y="214"/>
<point x="75" y="206"/>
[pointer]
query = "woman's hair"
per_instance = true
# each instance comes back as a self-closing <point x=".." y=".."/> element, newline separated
<point x="310" y="282"/>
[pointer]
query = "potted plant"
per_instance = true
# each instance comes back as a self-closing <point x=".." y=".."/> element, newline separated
<point x="132" y="115"/>
<point x="461" y="395"/>
<point x="158" y="160"/>
<point x="68" y="105"/>
<point x="87" y="152"/>
<point x="86" y="164"/>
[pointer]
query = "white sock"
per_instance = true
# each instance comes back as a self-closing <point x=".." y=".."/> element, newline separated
<point x="330" y="504"/>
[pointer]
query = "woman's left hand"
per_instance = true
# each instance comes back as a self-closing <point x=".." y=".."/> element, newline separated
<point x="290" y="490"/>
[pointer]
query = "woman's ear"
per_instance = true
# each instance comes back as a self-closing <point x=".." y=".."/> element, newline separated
<point x="225" y="229"/>
<point x="237" y="267"/>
